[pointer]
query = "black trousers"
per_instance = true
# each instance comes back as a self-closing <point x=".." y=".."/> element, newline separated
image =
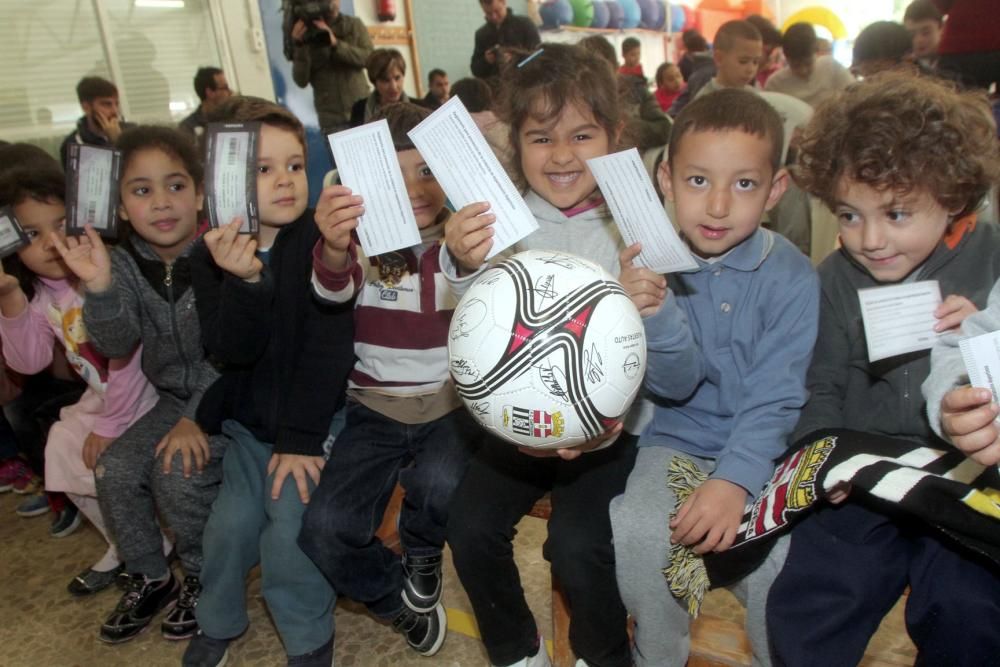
<point x="847" y="566"/>
<point x="500" y="487"/>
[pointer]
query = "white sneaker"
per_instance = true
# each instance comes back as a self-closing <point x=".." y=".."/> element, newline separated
<point x="540" y="659"/>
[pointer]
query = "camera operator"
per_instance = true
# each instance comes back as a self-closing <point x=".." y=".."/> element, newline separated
<point x="329" y="50"/>
<point x="500" y="37"/>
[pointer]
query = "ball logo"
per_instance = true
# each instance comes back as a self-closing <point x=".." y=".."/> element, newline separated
<point x="533" y="423"/>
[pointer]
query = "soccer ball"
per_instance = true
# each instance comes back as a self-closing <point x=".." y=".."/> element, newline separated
<point x="546" y="350"/>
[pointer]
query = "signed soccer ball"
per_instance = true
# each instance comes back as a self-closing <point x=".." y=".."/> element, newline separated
<point x="546" y="350"/>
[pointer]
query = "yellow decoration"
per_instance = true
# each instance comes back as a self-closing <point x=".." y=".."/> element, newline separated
<point x="818" y="16"/>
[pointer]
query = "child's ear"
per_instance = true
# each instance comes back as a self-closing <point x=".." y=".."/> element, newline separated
<point x="779" y="183"/>
<point x="122" y="213"/>
<point x="618" y="133"/>
<point x="663" y="178"/>
<point x="199" y="197"/>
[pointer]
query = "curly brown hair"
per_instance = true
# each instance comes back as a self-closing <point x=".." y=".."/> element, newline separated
<point x="904" y="133"/>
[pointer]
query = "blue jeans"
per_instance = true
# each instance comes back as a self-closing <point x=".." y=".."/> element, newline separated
<point x="367" y="458"/>
<point x="245" y="527"/>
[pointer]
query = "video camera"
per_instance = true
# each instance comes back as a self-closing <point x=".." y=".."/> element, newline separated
<point x="306" y="11"/>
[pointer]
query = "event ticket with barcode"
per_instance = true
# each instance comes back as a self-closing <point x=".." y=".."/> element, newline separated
<point x="12" y="236"/>
<point x="231" y="174"/>
<point x="92" y="175"/>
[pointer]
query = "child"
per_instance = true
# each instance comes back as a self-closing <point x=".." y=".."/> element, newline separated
<point x="902" y="161"/>
<point x="562" y="108"/>
<point x="738" y="51"/>
<point x="964" y="415"/>
<point x="809" y="77"/>
<point x="405" y="423"/>
<point x="632" y="55"/>
<point x="40" y="305"/>
<point x="286" y="359"/>
<point x="668" y="85"/>
<point x="752" y="305"/>
<point x="140" y="293"/>
<point x="923" y="20"/>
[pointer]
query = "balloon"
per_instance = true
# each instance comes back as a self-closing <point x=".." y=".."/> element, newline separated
<point x="632" y="13"/>
<point x="556" y="13"/>
<point x="583" y="12"/>
<point x="678" y="19"/>
<point x="616" y="16"/>
<point x="601" y="15"/>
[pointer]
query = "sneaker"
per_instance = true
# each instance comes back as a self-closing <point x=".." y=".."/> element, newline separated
<point x="180" y="623"/>
<point x="90" y="581"/>
<point x="27" y="484"/>
<point x="34" y="505"/>
<point x="541" y="658"/>
<point x="321" y="657"/>
<point x="422" y="582"/>
<point x="142" y="601"/>
<point x="66" y="522"/>
<point x="424" y="632"/>
<point x="12" y="470"/>
<point x="205" y="651"/>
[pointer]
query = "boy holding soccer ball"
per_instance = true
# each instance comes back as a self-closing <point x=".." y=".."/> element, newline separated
<point x="404" y="420"/>
<point x="752" y="304"/>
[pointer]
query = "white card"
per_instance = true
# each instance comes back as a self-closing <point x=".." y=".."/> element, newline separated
<point x="366" y="161"/>
<point x="469" y="172"/>
<point x="231" y="174"/>
<point x="639" y="213"/>
<point x="92" y="175"/>
<point x="981" y="355"/>
<point x="899" y="319"/>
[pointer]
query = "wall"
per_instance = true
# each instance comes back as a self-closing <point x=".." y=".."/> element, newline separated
<point x="446" y="30"/>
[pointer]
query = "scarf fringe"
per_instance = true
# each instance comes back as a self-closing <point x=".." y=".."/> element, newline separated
<point x="686" y="575"/>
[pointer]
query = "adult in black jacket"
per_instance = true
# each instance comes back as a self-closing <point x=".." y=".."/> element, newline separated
<point x="502" y="32"/>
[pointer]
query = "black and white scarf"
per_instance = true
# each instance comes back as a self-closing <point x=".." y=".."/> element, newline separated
<point x="942" y="487"/>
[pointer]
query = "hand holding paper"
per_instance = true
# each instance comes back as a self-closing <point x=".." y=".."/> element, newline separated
<point x="646" y="287"/>
<point x="87" y="257"/>
<point x="337" y="214"/>
<point x="366" y="160"/>
<point x="469" y="235"/>
<point x="968" y="418"/>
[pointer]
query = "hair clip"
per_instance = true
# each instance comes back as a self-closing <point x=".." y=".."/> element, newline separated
<point x="529" y="58"/>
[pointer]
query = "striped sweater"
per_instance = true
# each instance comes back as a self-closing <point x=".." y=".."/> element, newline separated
<point x="401" y="316"/>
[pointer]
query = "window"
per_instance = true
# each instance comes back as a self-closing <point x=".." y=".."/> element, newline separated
<point x="154" y="50"/>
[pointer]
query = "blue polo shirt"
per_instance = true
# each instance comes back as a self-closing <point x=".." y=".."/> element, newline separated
<point x="735" y="397"/>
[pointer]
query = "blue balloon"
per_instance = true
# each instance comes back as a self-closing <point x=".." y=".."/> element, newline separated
<point x="556" y="13"/>
<point x="632" y="13"/>
<point x="659" y="15"/>
<point x="677" y="18"/>
<point x="616" y="15"/>
<point x="601" y="15"/>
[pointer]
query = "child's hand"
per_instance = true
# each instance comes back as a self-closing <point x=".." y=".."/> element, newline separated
<point x="952" y="312"/>
<point x="87" y="257"/>
<point x="93" y="447"/>
<point x="968" y="417"/>
<point x="469" y="235"/>
<point x="189" y="440"/>
<point x="298" y="466"/>
<point x="570" y="453"/>
<point x="710" y="517"/>
<point x="646" y="288"/>
<point x="234" y="252"/>
<point x="337" y="214"/>
<point x="12" y="299"/>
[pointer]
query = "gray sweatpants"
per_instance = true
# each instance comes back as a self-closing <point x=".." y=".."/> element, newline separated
<point x="131" y="487"/>
<point x="639" y="523"/>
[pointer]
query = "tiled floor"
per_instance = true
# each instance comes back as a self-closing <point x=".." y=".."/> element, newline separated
<point x="42" y="626"/>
